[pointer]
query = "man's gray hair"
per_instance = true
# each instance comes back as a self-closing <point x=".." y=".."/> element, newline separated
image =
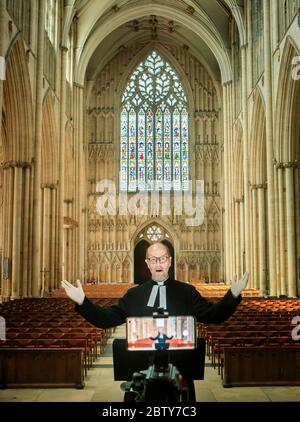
<point x="159" y="243"/>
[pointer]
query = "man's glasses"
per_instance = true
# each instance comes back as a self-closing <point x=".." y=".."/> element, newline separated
<point x="161" y="259"/>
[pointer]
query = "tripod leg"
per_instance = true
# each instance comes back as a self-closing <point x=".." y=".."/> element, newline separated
<point x="188" y="390"/>
<point x="191" y="391"/>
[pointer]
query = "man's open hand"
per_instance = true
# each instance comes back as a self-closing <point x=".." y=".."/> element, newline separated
<point x="74" y="293"/>
<point x="238" y="286"/>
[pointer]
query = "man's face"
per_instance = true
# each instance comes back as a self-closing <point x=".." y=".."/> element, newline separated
<point x="158" y="262"/>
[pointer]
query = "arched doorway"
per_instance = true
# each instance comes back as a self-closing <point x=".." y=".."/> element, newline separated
<point x="141" y="271"/>
<point x="151" y="234"/>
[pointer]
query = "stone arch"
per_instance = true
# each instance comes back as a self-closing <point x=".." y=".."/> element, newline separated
<point x="49" y="177"/>
<point x="203" y="266"/>
<point x="215" y="271"/>
<point x="140" y="55"/>
<point x="104" y="269"/>
<point x="93" y="265"/>
<point x="165" y="225"/>
<point x="100" y="127"/>
<point x="18" y="120"/>
<point x="126" y="270"/>
<point x="17" y="150"/>
<point x="286" y="101"/>
<point x="182" y="269"/>
<point x="116" y="270"/>
<point x="193" y="269"/>
<point x="287" y="152"/>
<point x="209" y="35"/>
<point x="258" y="193"/>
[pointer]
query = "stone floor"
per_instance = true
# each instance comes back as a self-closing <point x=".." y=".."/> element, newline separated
<point x="100" y="387"/>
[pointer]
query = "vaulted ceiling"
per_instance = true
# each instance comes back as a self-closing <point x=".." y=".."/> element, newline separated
<point x="106" y="26"/>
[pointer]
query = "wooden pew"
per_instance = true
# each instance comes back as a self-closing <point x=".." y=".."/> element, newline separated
<point x="255" y="366"/>
<point x="43" y="368"/>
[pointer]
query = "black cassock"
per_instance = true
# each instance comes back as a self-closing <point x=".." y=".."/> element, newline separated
<point x="182" y="299"/>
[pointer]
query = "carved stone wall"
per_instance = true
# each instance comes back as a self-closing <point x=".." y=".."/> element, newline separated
<point x="111" y="238"/>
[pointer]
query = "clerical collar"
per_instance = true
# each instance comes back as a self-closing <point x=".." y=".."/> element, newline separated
<point x="158" y="286"/>
<point x="160" y="283"/>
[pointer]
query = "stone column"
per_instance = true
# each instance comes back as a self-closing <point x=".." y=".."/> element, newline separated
<point x="81" y="246"/>
<point x="254" y="238"/>
<point x="68" y="242"/>
<point x="53" y="239"/>
<point x="282" y="231"/>
<point x="226" y="185"/>
<point x="290" y="224"/>
<point x="209" y="273"/>
<point x="275" y="24"/>
<point x="269" y="149"/>
<point x="262" y="240"/>
<point x="26" y="233"/>
<point x="242" y="232"/>
<point x="221" y="271"/>
<point x="246" y="206"/>
<point x="36" y="226"/>
<point x="277" y="228"/>
<point x="61" y="205"/>
<point x="3" y="24"/>
<point x="230" y="187"/>
<point x="16" y="232"/>
<point x="8" y="221"/>
<point x="46" y="237"/>
<point x="237" y="237"/>
<point x="297" y="221"/>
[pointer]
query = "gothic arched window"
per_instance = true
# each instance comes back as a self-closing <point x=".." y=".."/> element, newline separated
<point x="154" y="129"/>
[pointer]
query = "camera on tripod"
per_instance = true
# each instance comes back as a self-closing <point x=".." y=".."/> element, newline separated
<point x="159" y="359"/>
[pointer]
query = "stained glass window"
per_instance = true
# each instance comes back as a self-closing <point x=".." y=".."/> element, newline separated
<point x="154" y="130"/>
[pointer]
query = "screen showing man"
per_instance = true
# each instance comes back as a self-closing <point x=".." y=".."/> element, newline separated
<point x="174" y="332"/>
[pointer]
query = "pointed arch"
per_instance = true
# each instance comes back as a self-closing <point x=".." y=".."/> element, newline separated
<point x="154" y="127"/>
<point x="206" y="31"/>
<point x="203" y="268"/>
<point x="18" y="144"/>
<point x="93" y="265"/>
<point x="287" y="106"/>
<point x="213" y="209"/>
<point x="239" y="17"/>
<point x="127" y="270"/>
<point x="215" y="271"/>
<point x="165" y="53"/>
<point x="116" y="269"/>
<point x="154" y="220"/>
<point x="104" y="268"/>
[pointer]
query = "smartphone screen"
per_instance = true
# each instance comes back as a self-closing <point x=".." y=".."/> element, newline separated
<point x="171" y="333"/>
